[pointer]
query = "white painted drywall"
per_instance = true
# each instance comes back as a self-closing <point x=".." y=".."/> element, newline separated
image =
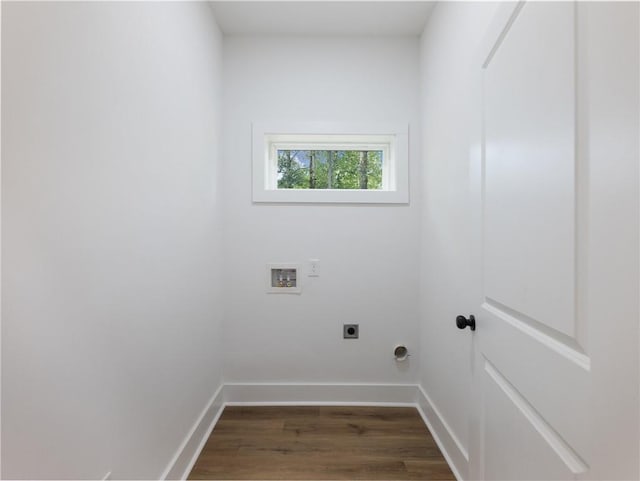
<point x="110" y="214"/>
<point x="368" y="253"/>
<point x="321" y="18"/>
<point x="446" y="241"/>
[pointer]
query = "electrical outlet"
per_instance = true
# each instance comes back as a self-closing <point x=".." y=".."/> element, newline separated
<point x="314" y="267"/>
<point x="350" y="331"/>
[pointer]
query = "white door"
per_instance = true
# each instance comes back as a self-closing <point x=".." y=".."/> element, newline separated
<point x="556" y="170"/>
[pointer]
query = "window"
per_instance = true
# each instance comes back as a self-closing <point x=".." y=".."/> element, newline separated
<point x="332" y="163"/>
<point x="313" y="168"/>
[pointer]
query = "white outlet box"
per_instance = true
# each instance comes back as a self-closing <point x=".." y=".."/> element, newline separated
<point x="283" y="279"/>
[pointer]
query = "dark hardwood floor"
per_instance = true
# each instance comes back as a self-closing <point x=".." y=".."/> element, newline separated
<point x="321" y="443"/>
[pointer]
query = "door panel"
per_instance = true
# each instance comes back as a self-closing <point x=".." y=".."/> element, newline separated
<point x="533" y="371"/>
<point x="552" y="382"/>
<point x="529" y="208"/>
<point x="537" y="453"/>
<point x="555" y="174"/>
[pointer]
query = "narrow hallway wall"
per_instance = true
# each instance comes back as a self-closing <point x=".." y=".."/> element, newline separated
<point x="110" y="210"/>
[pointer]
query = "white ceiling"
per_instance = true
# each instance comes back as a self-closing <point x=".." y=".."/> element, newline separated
<point x="322" y="17"/>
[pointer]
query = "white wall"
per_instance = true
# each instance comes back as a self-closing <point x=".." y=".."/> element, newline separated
<point x="368" y="253"/>
<point x="447" y="241"/>
<point x="110" y="234"/>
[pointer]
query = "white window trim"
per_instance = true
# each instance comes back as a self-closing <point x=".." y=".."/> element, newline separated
<point x="273" y="135"/>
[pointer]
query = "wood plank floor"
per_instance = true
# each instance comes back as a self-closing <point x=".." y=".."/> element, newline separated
<point x="321" y="443"/>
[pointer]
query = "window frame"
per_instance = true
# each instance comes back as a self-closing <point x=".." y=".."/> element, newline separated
<point x="391" y="138"/>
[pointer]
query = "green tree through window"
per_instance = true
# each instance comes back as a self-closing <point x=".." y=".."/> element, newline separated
<point x="330" y="169"/>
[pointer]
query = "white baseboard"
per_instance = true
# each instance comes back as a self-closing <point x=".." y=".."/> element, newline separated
<point x="301" y="394"/>
<point x="451" y="447"/>
<point x="188" y="452"/>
